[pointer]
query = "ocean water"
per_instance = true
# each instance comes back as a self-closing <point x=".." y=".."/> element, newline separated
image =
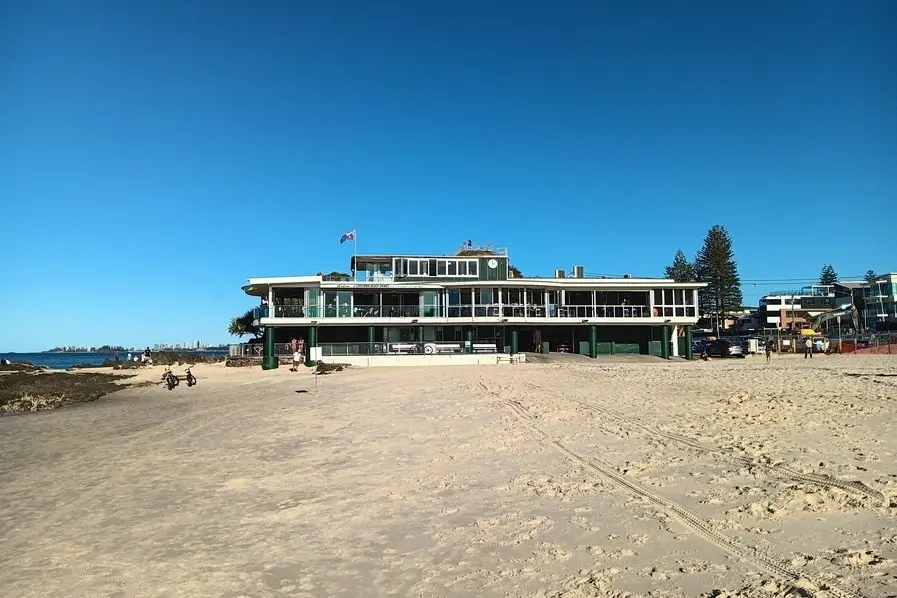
<point x="61" y="361"/>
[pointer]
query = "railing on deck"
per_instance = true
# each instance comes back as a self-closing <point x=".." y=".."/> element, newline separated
<point x="604" y="311"/>
<point x="457" y="311"/>
<point x="257" y="349"/>
<point x="362" y="348"/>
<point x="406" y="348"/>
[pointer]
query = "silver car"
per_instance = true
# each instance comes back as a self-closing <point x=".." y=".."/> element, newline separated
<point x="725" y="348"/>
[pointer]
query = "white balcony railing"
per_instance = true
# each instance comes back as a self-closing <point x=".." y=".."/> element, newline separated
<point x="552" y="312"/>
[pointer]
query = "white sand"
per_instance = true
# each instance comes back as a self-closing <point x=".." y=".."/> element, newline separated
<point x="727" y="478"/>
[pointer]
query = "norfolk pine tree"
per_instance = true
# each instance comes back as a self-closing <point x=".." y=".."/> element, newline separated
<point x="715" y="265"/>
<point x="681" y="270"/>
<point x="828" y="276"/>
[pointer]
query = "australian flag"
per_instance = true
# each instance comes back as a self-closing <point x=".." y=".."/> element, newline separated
<point x="349" y="236"/>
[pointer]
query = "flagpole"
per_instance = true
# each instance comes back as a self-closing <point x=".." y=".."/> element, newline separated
<point x="355" y="256"/>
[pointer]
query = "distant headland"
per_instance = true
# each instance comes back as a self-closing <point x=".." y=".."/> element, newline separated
<point x="102" y="349"/>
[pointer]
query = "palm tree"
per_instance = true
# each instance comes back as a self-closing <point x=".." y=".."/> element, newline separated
<point x="242" y="325"/>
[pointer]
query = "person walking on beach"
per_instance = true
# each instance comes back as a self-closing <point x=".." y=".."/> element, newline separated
<point x="770" y="347"/>
<point x="808" y="348"/>
<point x="298" y="349"/>
<point x="117" y="355"/>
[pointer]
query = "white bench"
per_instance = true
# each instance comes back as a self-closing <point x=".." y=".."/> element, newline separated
<point x="484" y="348"/>
<point x="401" y="349"/>
<point x="448" y="348"/>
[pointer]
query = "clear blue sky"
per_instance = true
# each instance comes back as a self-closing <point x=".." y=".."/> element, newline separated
<point x="153" y="155"/>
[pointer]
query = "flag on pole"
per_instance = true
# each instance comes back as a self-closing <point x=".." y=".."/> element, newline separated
<point x="349" y="236"/>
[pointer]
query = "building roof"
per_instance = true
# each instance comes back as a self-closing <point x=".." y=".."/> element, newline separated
<point x="851" y="284"/>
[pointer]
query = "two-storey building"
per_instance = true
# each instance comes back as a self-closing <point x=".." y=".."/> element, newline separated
<point x="471" y="302"/>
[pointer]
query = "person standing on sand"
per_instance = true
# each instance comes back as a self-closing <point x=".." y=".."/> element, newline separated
<point x="770" y="347"/>
<point x="808" y="348"/>
<point x="298" y="349"/>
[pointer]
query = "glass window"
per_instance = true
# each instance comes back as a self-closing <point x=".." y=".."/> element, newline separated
<point x="424" y="268"/>
<point x="472" y="267"/>
<point x="430" y="301"/>
<point x="462" y="268"/>
<point x="452" y="267"/>
<point x="689" y="296"/>
<point x="345" y="303"/>
<point x="412" y="267"/>
<point x="668" y="296"/>
<point x="440" y="268"/>
<point x="658" y="297"/>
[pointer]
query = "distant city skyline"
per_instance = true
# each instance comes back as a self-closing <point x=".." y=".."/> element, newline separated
<point x="189" y="345"/>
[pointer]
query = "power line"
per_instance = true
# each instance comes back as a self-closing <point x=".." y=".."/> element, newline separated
<point x="752" y="281"/>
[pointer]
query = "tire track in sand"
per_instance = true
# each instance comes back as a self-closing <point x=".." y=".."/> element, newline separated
<point x="745" y="553"/>
<point x="857" y="489"/>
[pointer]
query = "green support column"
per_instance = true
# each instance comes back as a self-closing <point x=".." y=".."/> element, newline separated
<point x="593" y="342"/>
<point x="270" y="361"/>
<point x="312" y="343"/>
<point x="468" y="348"/>
<point x="689" y="351"/>
<point x="665" y="349"/>
<point x="420" y="334"/>
<point x="371" y="337"/>
<point x="513" y="342"/>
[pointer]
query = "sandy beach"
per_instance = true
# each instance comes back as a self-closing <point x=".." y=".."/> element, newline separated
<point x="585" y="478"/>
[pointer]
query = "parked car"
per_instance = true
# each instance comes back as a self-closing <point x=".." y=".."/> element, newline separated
<point x="724" y="348"/>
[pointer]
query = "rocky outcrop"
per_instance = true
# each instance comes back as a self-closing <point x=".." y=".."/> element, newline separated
<point x="23" y="392"/>
<point x="21" y="366"/>
<point x="175" y="358"/>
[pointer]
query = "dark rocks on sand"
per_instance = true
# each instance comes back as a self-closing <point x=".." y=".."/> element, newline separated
<point x="110" y="363"/>
<point x="20" y="366"/>
<point x="21" y="392"/>
<point x="175" y="358"/>
<point x="326" y="368"/>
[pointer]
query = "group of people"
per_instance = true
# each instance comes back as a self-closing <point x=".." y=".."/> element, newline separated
<point x="297" y="347"/>
<point x="145" y="357"/>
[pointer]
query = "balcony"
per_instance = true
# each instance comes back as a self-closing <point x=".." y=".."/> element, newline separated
<point x="464" y="311"/>
<point x="604" y="311"/>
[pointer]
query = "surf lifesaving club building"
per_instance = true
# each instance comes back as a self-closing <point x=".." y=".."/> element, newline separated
<point x="470" y="302"/>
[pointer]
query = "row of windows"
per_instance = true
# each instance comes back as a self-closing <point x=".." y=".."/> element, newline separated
<point x="674" y="296"/>
<point x="435" y="267"/>
<point x="805" y="302"/>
